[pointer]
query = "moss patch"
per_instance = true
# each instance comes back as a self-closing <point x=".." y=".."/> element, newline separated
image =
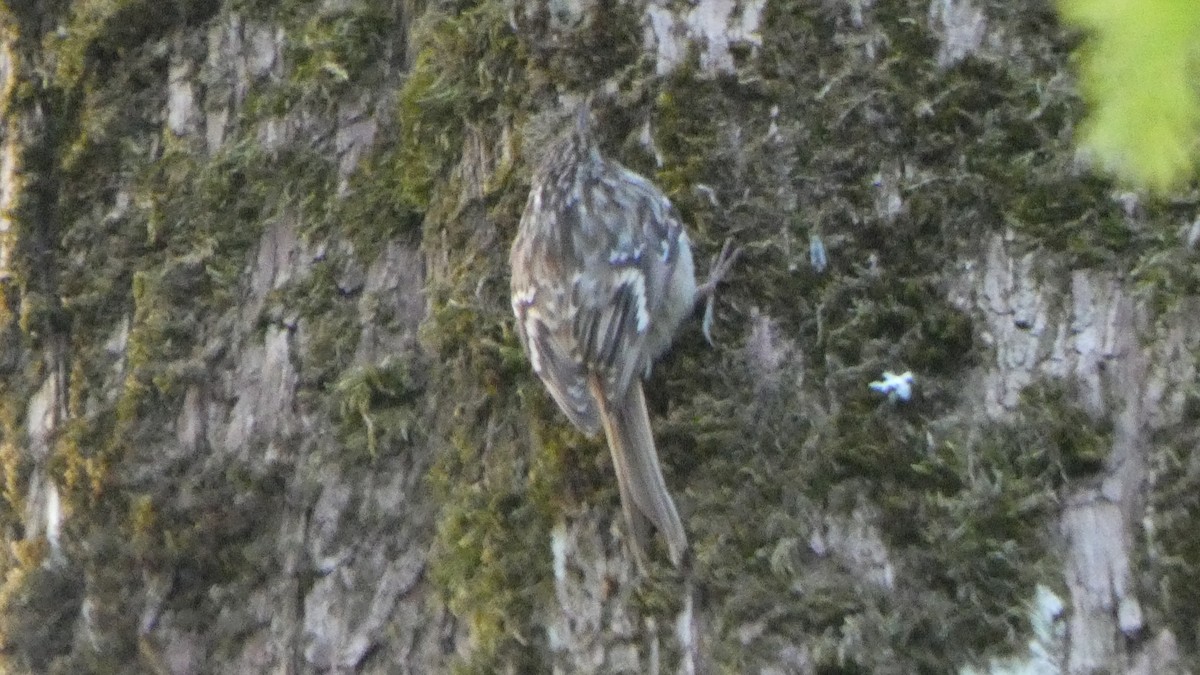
<point x="1172" y="560"/>
<point x="131" y="239"/>
<point x="377" y="409"/>
<point x="965" y="511"/>
<point x="899" y="165"/>
<point x="39" y="603"/>
<point x="457" y="112"/>
<point x="100" y="34"/>
<point x="468" y="72"/>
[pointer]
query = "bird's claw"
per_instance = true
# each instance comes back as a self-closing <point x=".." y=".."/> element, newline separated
<point x="723" y="263"/>
<point x="706" y="324"/>
<point x="717" y="271"/>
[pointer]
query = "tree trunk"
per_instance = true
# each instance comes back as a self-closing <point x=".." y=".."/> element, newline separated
<point x="262" y="408"/>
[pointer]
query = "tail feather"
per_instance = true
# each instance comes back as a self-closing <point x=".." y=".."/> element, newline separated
<point x="644" y="494"/>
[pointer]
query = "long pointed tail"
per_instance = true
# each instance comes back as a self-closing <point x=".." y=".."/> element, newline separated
<point x="644" y="494"/>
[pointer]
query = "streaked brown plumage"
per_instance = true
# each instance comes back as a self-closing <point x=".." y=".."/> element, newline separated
<point x="602" y="277"/>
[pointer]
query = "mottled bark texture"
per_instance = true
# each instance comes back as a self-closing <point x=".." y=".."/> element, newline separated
<point x="262" y="408"/>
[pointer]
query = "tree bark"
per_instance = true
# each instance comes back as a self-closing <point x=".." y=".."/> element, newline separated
<point x="262" y="408"/>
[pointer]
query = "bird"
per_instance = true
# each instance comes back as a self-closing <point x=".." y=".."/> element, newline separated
<point x="602" y="277"/>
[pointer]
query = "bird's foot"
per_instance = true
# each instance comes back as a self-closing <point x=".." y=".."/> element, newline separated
<point x="721" y="266"/>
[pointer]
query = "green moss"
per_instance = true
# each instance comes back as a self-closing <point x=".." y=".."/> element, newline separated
<point x="468" y="66"/>
<point x="966" y="513"/>
<point x="498" y="505"/>
<point x="330" y="325"/>
<point x="374" y="210"/>
<point x="377" y="408"/>
<point x="1164" y="271"/>
<point x="81" y="463"/>
<point x="467" y="91"/>
<point x="39" y="604"/>
<point x="336" y="47"/>
<point x="1172" y="560"/>
<point x="976" y="148"/>
<point x="965" y="508"/>
<point x="273" y="9"/>
<point x="16" y="467"/>
<point x="158" y="232"/>
<point x="117" y="222"/>
<point x="603" y="43"/>
<point x="980" y="536"/>
<point x="196" y="224"/>
<point x="1075" y="443"/>
<point x="100" y="33"/>
<point x="495" y="568"/>
<point x="333" y="53"/>
<point x="491" y="555"/>
<point x="687" y="115"/>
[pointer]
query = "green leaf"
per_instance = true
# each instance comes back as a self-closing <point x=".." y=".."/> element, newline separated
<point x="1139" y="74"/>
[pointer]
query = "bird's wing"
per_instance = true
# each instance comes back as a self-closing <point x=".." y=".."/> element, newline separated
<point x="588" y="278"/>
<point x="626" y="244"/>
<point x="542" y="310"/>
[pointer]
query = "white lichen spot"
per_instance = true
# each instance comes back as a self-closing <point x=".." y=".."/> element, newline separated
<point x="896" y="387"/>
<point x="816" y="253"/>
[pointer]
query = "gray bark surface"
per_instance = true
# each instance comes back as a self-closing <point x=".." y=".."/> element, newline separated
<point x="262" y="408"/>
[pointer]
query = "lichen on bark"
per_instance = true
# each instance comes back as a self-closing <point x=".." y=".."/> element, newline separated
<point x="255" y="337"/>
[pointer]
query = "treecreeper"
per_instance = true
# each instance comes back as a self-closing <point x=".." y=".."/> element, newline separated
<point x="602" y="279"/>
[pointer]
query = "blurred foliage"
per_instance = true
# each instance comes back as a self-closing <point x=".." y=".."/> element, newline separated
<point x="1138" y="71"/>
